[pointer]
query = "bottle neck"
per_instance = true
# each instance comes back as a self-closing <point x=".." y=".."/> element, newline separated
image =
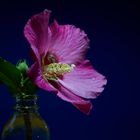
<point x="26" y="104"/>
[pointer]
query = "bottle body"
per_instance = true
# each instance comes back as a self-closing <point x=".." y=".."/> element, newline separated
<point x="26" y="123"/>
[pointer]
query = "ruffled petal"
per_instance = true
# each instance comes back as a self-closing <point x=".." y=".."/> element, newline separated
<point x="35" y="75"/>
<point x="68" y="43"/>
<point x="81" y="104"/>
<point x="84" y="81"/>
<point x="36" y="32"/>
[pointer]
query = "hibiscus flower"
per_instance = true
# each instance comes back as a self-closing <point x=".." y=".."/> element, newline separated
<point x="60" y="63"/>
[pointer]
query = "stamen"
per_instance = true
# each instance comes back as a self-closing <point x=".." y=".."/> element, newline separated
<point x="55" y="70"/>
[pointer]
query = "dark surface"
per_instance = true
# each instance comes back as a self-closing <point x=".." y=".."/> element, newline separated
<point x="112" y="28"/>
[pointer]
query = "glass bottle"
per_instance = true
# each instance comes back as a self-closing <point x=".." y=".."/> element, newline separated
<point x="26" y="122"/>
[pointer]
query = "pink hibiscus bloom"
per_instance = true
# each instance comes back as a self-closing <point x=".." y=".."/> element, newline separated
<point x="60" y="64"/>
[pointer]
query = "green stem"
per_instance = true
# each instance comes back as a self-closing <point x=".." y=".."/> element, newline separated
<point x="26" y="80"/>
<point x="28" y="126"/>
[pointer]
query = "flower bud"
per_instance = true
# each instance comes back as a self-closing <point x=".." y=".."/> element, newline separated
<point x="22" y="65"/>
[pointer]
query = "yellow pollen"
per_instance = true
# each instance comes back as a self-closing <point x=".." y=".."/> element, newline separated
<point x="54" y="70"/>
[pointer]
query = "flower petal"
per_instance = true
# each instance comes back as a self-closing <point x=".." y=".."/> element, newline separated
<point x="68" y="43"/>
<point x="35" y="75"/>
<point x="84" y="81"/>
<point x="65" y="94"/>
<point x="36" y="32"/>
<point x="83" y="105"/>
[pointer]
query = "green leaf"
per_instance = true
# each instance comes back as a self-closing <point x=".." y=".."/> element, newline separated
<point x="5" y="80"/>
<point x="10" y="71"/>
<point x="16" y="78"/>
<point x="10" y="75"/>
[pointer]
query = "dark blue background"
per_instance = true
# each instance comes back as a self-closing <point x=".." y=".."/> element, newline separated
<point x="112" y="28"/>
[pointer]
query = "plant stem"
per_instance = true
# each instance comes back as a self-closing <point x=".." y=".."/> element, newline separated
<point x="28" y="126"/>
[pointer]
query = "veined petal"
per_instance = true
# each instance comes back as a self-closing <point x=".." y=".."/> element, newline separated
<point x="36" y="76"/>
<point x="68" y="43"/>
<point x="84" y="81"/>
<point x="36" y="32"/>
<point x="83" y="105"/>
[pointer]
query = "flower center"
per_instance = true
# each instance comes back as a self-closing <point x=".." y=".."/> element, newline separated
<point x="55" y="70"/>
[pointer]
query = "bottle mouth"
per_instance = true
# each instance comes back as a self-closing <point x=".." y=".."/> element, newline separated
<point x="26" y="97"/>
<point x="26" y="109"/>
<point x="26" y="103"/>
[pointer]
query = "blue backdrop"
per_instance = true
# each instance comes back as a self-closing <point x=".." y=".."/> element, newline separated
<point x="112" y="28"/>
